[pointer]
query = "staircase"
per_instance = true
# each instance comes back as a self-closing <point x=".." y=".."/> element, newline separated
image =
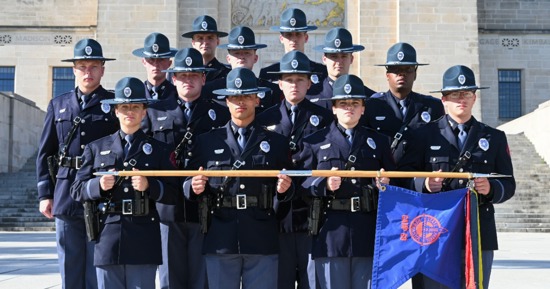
<point x="19" y="202"/>
<point x="529" y="209"/>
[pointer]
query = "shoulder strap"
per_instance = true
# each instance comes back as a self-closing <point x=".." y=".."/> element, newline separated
<point x="295" y="138"/>
<point x="462" y="161"/>
<point x="182" y="146"/>
<point x="397" y="137"/>
<point x="76" y="122"/>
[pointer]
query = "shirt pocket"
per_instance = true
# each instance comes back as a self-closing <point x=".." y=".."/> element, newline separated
<point x="329" y="159"/>
<point x="105" y="162"/>
<point x="63" y="124"/>
<point x="439" y="162"/>
<point x="162" y="127"/>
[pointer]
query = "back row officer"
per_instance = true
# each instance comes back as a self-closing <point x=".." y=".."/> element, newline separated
<point x="73" y="120"/>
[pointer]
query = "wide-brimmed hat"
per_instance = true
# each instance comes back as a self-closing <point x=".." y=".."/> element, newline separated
<point x="241" y="37"/>
<point x="204" y="24"/>
<point x="348" y="86"/>
<point x="87" y="49"/>
<point x="156" y="45"/>
<point x="459" y="77"/>
<point x="188" y="60"/>
<point x="338" y="40"/>
<point x="401" y="54"/>
<point x="129" y="90"/>
<point x="294" y="62"/>
<point x="240" y="81"/>
<point x="293" y="20"/>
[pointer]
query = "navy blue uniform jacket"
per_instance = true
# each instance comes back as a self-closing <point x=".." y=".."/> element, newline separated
<point x="321" y="93"/>
<point x="221" y="70"/>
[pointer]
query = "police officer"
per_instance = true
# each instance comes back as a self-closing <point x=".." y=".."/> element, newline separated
<point x="338" y="56"/>
<point x="205" y="37"/>
<point x="458" y="142"/>
<point x="241" y="52"/>
<point x="343" y="247"/>
<point x="294" y="117"/>
<point x="128" y="249"/>
<point x="241" y="242"/>
<point x="177" y="121"/>
<point x="155" y="57"/>
<point x="400" y="109"/>
<point x="293" y="28"/>
<point x="73" y="119"/>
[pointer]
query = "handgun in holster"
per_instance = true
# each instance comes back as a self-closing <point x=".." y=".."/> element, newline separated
<point x="53" y="167"/>
<point x="265" y="199"/>
<point x="370" y="198"/>
<point x="315" y="216"/>
<point x="205" y="214"/>
<point x="91" y="219"/>
<point x="140" y="204"/>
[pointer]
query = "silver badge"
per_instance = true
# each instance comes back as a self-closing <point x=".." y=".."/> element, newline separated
<point x="240" y="39"/>
<point x="347" y="88"/>
<point x="238" y="83"/>
<point x="292" y="22"/>
<point x="461" y="79"/>
<point x="294" y="63"/>
<point x="483" y="144"/>
<point x="314" y="78"/>
<point x="88" y="50"/>
<point x="261" y="95"/>
<point x="371" y="143"/>
<point x="265" y="147"/>
<point x="155" y="48"/>
<point x="188" y="61"/>
<point x="212" y="114"/>
<point x="127" y="91"/>
<point x="337" y="43"/>
<point x="147" y="148"/>
<point x="204" y="25"/>
<point x="400" y="55"/>
<point x="426" y="117"/>
<point x="314" y="120"/>
<point x="105" y="107"/>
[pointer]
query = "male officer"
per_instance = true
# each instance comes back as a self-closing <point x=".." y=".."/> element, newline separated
<point x="128" y="249"/>
<point x="241" y="52"/>
<point x="458" y="142"/>
<point x="293" y="28"/>
<point x="177" y="122"/>
<point x="295" y="117"/>
<point x="399" y="110"/>
<point x="205" y="37"/>
<point x="155" y="57"/>
<point x="73" y="119"/>
<point x="344" y="245"/>
<point x="338" y="57"/>
<point x="241" y="242"/>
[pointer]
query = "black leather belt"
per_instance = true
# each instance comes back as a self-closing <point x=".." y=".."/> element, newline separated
<point x="71" y="162"/>
<point x="351" y="204"/>
<point x="239" y="202"/>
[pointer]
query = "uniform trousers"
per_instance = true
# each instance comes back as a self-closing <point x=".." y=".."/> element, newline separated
<point x="126" y="276"/>
<point x="183" y="265"/>
<point x="344" y="272"/>
<point x="75" y="254"/>
<point x="225" y="271"/>
<point x="295" y="261"/>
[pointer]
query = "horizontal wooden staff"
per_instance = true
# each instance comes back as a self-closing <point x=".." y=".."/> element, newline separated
<point x="300" y="173"/>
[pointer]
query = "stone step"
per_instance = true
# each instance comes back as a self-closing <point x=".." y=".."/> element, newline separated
<point x="26" y="228"/>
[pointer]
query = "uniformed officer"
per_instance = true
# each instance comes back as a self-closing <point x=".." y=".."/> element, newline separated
<point x="241" y="52"/>
<point x="177" y="122"/>
<point x="241" y="242"/>
<point x="155" y="57"/>
<point x="294" y="117"/>
<point x="400" y="109"/>
<point x="205" y="37"/>
<point x="293" y="28"/>
<point x="343" y="247"/>
<point x="338" y="56"/>
<point x="128" y="249"/>
<point x="78" y="111"/>
<point x="458" y="142"/>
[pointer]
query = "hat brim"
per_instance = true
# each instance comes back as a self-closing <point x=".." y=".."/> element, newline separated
<point x="293" y="29"/>
<point x="458" y="88"/>
<point x="348" y="96"/>
<point x="185" y="69"/>
<point x="291" y="72"/>
<point x="402" y="64"/>
<point x="88" y="58"/>
<point x="324" y="49"/>
<point x="140" y="52"/>
<point x="241" y="47"/>
<point x="232" y="92"/>
<point x="190" y="34"/>
<point x="115" y="101"/>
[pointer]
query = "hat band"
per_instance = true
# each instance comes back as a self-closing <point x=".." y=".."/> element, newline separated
<point x="156" y="54"/>
<point x="459" y="88"/>
<point x="233" y="46"/>
<point x="342" y="96"/>
<point x="184" y="69"/>
<point x="293" y="28"/>
<point x="330" y="49"/>
<point x="240" y="91"/>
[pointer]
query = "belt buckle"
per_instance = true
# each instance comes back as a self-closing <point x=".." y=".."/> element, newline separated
<point x="355" y="204"/>
<point x="127" y="207"/>
<point x="241" y="202"/>
<point x="77" y="162"/>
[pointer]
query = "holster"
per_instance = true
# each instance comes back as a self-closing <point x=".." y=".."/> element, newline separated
<point x="370" y="197"/>
<point x="53" y="167"/>
<point x="205" y="212"/>
<point x="315" y="216"/>
<point x="140" y="204"/>
<point x="265" y="199"/>
<point x="91" y="219"/>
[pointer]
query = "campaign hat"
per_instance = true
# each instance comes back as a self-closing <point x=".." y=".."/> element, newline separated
<point x="204" y="24"/>
<point x="457" y="78"/>
<point x="293" y="20"/>
<point x="240" y="81"/>
<point x="188" y="60"/>
<point x="129" y="90"/>
<point x="401" y="54"/>
<point x="240" y="38"/>
<point x="339" y="40"/>
<point x="155" y="45"/>
<point x="348" y="86"/>
<point x="87" y="49"/>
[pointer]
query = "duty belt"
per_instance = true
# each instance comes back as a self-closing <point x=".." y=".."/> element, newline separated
<point x="71" y="162"/>
<point x="124" y="207"/>
<point x="352" y="204"/>
<point x="239" y="202"/>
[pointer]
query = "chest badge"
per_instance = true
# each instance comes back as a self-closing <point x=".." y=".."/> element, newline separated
<point x="212" y="114"/>
<point x="483" y="144"/>
<point x="105" y="107"/>
<point x="426" y="117"/>
<point x="371" y="143"/>
<point x="265" y="147"/>
<point x="147" y="148"/>
<point x="314" y="120"/>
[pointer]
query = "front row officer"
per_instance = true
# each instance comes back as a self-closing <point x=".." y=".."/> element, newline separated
<point x="128" y="249"/>
<point x="458" y="135"/>
<point x="241" y="242"/>
<point x="343" y="247"/>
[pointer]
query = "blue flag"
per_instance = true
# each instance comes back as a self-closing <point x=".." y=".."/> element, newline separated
<point x="419" y="233"/>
